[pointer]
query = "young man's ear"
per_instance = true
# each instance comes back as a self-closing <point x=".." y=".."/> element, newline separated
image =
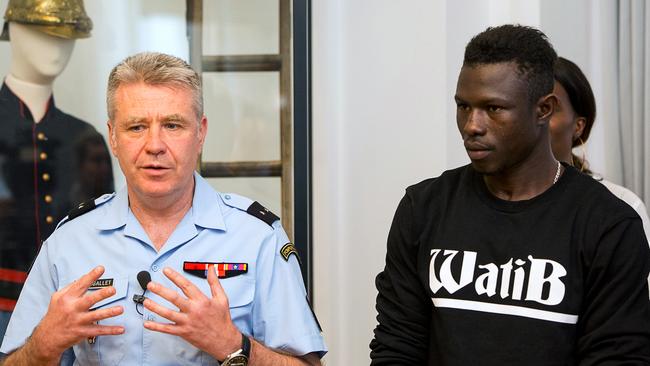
<point x="579" y="127"/>
<point x="545" y="107"/>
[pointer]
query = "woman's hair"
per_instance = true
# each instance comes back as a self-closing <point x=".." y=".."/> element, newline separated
<point x="582" y="100"/>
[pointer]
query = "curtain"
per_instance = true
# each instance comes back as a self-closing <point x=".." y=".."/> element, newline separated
<point x="634" y="95"/>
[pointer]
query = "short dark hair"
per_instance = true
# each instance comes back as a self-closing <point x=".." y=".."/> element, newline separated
<point x="580" y="94"/>
<point x="528" y="47"/>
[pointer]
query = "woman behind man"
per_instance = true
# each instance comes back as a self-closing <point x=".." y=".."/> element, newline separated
<point x="570" y="126"/>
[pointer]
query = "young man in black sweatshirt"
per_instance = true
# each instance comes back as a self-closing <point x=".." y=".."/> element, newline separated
<point x="515" y="259"/>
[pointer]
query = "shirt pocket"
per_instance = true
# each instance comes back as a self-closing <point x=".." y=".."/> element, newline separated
<point x="106" y="350"/>
<point x="240" y="292"/>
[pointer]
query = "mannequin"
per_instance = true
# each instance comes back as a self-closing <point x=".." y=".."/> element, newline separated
<point x="37" y="59"/>
<point x="50" y="161"/>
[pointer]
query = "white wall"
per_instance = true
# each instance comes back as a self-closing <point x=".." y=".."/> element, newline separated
<point x="377" y="128"/>
<point x="581" y="31"/>
<point x="384" y="76"/>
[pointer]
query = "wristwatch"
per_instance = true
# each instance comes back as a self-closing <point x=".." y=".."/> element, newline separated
<point x="239" y="357"/>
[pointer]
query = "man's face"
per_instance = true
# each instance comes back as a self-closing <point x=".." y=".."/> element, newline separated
<point x="157" y="139"/>
<point x="498" y="123"/>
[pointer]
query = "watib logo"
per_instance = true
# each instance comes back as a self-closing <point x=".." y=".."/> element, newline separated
<point x="543" y="277"/>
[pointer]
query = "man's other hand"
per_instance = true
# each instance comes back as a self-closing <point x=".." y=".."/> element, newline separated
<point x="69" y="319"/>
<point x="203" y="322"/>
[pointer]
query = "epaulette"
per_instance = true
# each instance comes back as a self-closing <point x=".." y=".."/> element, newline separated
<point x="253" y="208"/>
<point x="86" y="207"/>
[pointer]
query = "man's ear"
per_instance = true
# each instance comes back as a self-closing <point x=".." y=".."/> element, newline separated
<point x="111" y="137"/>
<point x="545" y="107"/>
<point x="203" y="130"/>
<point x="579" y="127"/>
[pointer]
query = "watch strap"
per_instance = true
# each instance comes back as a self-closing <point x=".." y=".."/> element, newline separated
<point x="244" y="351"/>
<point x="245" y="346"/>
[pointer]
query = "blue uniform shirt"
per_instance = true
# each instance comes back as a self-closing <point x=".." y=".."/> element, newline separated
<point x="268" y="302"/>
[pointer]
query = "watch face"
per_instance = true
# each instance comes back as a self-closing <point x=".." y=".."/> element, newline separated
<point x="239" y="360"/>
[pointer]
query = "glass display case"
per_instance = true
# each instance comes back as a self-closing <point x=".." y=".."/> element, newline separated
<point x="253" y="57"/>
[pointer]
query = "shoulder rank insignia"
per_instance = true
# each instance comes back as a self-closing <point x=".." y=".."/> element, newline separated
<point x="287" y="250"/>
<point x="81" y="209"/>
<point x="85" y="207"/>
<point x="253" y="208"/>
<point x="262" y="213"/>
<point x="224" y="270"/>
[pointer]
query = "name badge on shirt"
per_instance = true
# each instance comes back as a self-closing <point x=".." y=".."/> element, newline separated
<point x="101" y="283"/>
<point x="224" y="270"/>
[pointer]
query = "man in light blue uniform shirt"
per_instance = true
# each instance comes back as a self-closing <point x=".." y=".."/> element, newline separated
<point x="225" y="281"/>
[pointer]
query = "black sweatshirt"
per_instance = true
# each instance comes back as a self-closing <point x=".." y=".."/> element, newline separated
<point x="560" y="279"/>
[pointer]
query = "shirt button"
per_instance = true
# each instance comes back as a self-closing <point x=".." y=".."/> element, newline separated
<point x="46" y="177"/>
<point x="227" y="196"/>
<point x="43" y="156"/>
<point x="150" y="317"/>
<point x="154" y="268"/>
<point x="49" y="219"/>
<point x="48" y="198"/>
<point x="40" y="136"/>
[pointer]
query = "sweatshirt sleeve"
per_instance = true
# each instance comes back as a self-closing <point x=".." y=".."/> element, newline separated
<point x="403" y="307"/>
<point x="614" y="327"/>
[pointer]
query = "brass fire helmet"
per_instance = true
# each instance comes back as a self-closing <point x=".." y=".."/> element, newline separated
<point x="59" y="18"/>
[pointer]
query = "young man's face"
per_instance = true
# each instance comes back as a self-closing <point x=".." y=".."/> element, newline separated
<point x="499" y="125"/>
<point x="157" y="138"/>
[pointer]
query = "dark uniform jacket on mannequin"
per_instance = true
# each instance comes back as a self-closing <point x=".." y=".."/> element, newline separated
<point x="46" y="169"/>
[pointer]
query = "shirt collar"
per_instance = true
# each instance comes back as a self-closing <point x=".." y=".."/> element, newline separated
<point x="116" y="214"/>
<point x="20" y="108"/>
<point x="206" y="208"/>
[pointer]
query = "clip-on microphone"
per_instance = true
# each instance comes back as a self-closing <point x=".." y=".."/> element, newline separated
<point x="143" y="279"/>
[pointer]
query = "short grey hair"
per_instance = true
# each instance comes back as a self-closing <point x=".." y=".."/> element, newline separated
<point x="154" y="68"/>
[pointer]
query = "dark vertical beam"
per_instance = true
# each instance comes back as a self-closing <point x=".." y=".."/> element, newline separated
<point x="286" y="122"/>
<point x="194" y="17"/>
<point x="302" y="136"/>
<point x="194" y="34"/>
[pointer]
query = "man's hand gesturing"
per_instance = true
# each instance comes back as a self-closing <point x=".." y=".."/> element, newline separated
<point x="201" y="320"/>
<point x="69" y="320"/>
